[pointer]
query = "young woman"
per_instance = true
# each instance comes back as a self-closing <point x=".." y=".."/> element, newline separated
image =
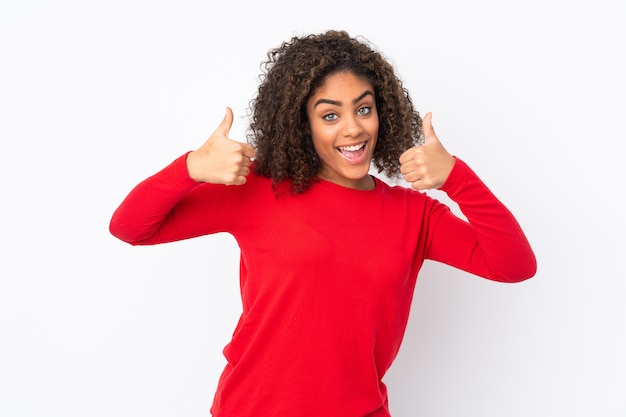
<point x="329" y="253"/>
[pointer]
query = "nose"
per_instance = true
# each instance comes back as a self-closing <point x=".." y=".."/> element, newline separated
<point x="352" y="126"/>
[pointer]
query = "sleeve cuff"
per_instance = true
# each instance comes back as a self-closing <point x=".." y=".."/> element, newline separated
<point x="179" y="174"/>
<point x="456" y="177"/>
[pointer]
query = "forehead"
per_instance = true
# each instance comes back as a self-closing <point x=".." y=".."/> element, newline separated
<point x="341" y="83"/>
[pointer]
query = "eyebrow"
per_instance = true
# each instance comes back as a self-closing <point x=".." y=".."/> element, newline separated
<point x="338" y="103"/>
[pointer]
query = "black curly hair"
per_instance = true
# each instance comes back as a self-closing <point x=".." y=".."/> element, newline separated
<point x="279" y="127"/>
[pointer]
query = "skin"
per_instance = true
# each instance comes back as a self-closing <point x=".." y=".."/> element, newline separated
<point x="342" y="112"/>
<point x="221" y="160"/>
<point x="427" y="166"/>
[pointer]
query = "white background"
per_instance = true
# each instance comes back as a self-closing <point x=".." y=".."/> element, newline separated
<point x="96" y="96"/>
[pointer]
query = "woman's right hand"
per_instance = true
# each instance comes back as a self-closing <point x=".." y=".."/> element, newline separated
<point x="221" y="160"/>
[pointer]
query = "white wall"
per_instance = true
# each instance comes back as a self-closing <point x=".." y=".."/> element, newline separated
<point x="95" y="96"/>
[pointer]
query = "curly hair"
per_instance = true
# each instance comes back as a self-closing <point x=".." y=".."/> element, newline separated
<point x="279" y="128"/>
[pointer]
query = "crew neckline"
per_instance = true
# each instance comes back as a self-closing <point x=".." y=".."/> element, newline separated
<point x="343" y="189"/>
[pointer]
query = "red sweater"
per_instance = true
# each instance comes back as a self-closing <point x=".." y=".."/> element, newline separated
<point x="327" y="277"/>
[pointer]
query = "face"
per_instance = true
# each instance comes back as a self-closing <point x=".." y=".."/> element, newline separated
<point x="344" y="125"/>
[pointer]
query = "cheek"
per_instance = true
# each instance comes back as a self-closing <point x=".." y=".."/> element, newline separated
<point x="317" y="141"/>
<point x="322" y="135"/>
<point x="372" y="129"/>
<point x="374" y="125"/>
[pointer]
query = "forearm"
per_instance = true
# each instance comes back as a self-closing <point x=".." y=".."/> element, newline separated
<point x="492" y="243"/>
<point x="145" y="210"/>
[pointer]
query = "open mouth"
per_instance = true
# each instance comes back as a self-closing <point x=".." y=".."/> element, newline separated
<point x="353" y="152"/>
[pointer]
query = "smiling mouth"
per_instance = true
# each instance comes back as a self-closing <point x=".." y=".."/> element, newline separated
<point x="353" y="152"/>
<point x="353" y="148"/>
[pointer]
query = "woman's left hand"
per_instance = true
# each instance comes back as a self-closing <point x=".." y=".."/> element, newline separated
<point x="427" y="166"/>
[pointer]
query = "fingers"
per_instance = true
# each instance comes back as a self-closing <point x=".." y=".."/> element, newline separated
<point x="429" y="135"/>
<point x="248" y="151"/>
<point x="427" y="126"/>
<point x="241" y="152"/>
<point x="241" y="161"/>
<point x="407" y="156"/>
<point x="227" y="123"/>
<point x="224" y="130"/>
<point x="235" y="173"/>
<point x="221" y="160"/>
<point x="429" y="165"/>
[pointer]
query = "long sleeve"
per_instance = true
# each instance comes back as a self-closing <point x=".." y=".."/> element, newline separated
<point x="167" y="206"/>
<point x="491" y="243"/>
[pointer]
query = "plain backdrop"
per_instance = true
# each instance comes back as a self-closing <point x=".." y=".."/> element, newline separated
<point x="97" y="95"/>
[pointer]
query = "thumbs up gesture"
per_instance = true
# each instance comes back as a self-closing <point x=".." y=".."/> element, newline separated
<point x="429" y="165"/>
<point x="221" y="160"/>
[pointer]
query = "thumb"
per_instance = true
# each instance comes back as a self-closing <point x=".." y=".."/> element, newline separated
<point x="427" y="126"/>
<point x="227" y="123"/>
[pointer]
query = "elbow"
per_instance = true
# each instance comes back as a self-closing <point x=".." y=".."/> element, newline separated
<point x="519" y="277"/>
<point x="118" y="232"/>
<point x="529" y="268"/>
<point x="520" y="271"/>
<point x="122" y="233"/>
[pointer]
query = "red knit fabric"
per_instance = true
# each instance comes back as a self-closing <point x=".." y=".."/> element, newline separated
<point x="327" y="277"/>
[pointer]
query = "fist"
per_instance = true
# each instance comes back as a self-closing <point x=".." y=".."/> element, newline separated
<point x="427" y="166"/>
<point x="221" y="160"/>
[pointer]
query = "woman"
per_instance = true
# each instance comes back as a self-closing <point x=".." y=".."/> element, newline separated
<point x="329" y="253"/>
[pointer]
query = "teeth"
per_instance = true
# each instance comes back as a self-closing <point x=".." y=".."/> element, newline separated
<point x="352" y="148"/>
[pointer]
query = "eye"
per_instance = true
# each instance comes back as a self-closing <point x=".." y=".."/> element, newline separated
<point x="330" y="117"/>
<point x="364" y="110"/>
